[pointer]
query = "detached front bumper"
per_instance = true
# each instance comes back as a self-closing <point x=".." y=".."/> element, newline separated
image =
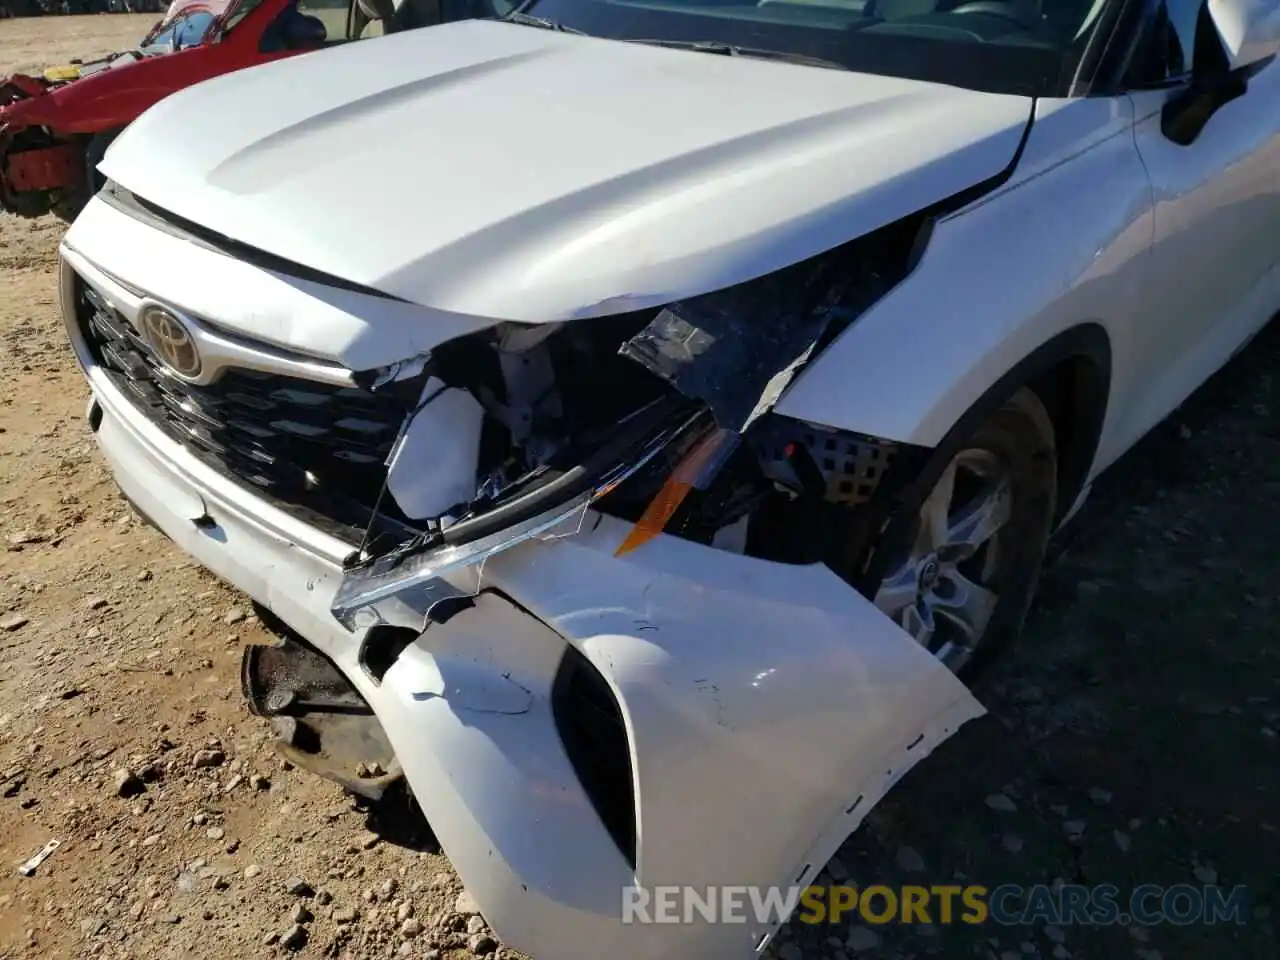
<point x="766" y="707"/>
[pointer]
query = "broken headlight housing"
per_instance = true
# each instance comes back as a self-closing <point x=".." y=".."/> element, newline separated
<point x="660" y="417"/>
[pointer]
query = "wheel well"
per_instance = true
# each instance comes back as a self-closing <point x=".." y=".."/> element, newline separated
<point x="1074" y="392"/>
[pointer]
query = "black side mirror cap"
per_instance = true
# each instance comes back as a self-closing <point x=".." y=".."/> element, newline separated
<point x="1189" y="109"/>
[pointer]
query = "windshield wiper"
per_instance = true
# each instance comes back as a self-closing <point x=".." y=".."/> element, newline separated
<point x="733" y="50"/>
<point x="528" y="20"/>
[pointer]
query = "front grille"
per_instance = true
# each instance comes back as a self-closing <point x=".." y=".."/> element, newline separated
<point x="317" y="450"/>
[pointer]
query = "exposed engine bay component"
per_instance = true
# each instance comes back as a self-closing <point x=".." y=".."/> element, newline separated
<point x="407" y="369"/>
<point x="836" y="465"/>
<point x="718" y="350"/>
<point x="443" y="437"/>
<point x="661" y="417"/>
<point x="695" y="471"/>
<point x="738" y="349"/>
<point x="321" y="721"/>
<point x="38" y="172"/>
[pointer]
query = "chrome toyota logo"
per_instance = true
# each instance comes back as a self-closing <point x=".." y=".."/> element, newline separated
<point x="171" y="341"/>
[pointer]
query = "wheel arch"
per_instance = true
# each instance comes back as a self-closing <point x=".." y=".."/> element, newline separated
<point x="1071" y="375"/>
<point x="1075" y="387"/>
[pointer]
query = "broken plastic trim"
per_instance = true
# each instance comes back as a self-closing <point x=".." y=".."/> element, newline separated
<point x="322" y="722"/>
<point x="406" y="369"/>
<point x="739" y="348"/>
<point x="661" y="421"/>
<point x="734" y="350"/>
<point x="718" y="350"/>
<point x="406" y="573"/>
<point x="695" y="472"/>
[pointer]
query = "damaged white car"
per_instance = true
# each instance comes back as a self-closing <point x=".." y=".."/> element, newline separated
<point x="643" y="416"/>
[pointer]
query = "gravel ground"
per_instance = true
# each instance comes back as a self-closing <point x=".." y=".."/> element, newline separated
<point x="1132" y="736"/>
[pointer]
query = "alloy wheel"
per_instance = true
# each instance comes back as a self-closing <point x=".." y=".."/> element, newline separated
<point x="945" y="590"/>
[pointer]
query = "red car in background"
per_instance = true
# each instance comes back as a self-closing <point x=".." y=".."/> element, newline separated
<point x="54" y="130"/>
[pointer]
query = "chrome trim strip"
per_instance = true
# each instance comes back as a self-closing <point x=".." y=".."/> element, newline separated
<point x="220" y="351"/>
<point x="220" y="493"/>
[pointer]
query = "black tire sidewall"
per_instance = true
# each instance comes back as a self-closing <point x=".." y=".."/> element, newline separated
<point x="94" y="150"/>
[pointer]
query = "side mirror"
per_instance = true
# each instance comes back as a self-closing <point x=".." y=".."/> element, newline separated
<point x="1187" y="111"/>
<point x="1249" y="29"/>
<point x="1241" y="34"/>
<point x="302" y="32"/>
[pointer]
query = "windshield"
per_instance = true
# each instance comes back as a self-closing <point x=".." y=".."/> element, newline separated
<point x="1028" y="47"/>
<point x="242" y="10"/>
<point x="187" y="30"/>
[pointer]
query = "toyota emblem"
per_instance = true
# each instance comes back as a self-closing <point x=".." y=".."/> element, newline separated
<point x="171" y="341"/>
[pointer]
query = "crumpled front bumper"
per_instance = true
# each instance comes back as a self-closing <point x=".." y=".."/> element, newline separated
<point x="766" y="707"/>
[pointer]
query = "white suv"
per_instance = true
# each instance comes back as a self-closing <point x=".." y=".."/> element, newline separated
<point x="641" y="419"/>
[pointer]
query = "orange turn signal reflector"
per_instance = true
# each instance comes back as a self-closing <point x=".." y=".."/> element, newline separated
<point x="656" y="515"/>
<point x="677" y="487"/>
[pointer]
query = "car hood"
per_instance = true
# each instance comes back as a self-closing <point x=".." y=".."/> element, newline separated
<point x="510" y="172"/>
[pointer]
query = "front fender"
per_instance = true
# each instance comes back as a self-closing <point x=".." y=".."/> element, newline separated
<point x="105" y="100"/>
<point x="1064" y="243"/>
<point x="24" y="100"/>
<point x="115" y="97"/>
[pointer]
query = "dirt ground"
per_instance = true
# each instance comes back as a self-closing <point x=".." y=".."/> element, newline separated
<point x="1132" y="736"/>
<point x="33" y="43"/>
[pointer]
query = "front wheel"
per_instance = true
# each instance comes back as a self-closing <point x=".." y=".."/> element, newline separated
<point x="957" y="565"/>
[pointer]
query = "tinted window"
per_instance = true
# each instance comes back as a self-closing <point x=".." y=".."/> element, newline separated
<point x="1006" y="46"/>
<point x="242" y="10"/>
<point x="1178" y="39"/>
<point x="187" y="30"/>
<point x="1182" y="17"/>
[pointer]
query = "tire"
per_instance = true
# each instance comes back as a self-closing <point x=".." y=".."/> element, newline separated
<point x="996" y="473"/>
<point x="68" y="207"/>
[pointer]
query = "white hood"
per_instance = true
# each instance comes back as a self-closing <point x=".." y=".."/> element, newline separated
<point x="510" y="172"/>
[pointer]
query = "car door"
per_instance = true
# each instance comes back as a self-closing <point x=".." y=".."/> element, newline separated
<point x="1216" y="213"/>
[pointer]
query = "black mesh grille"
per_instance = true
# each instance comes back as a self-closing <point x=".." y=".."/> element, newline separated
<point x="317" y="450"/>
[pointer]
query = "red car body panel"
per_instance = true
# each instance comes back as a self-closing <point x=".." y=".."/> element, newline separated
<point x="116" y="97"/>
<point x="63" y="115"/>
<point x="46" y="168"/>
